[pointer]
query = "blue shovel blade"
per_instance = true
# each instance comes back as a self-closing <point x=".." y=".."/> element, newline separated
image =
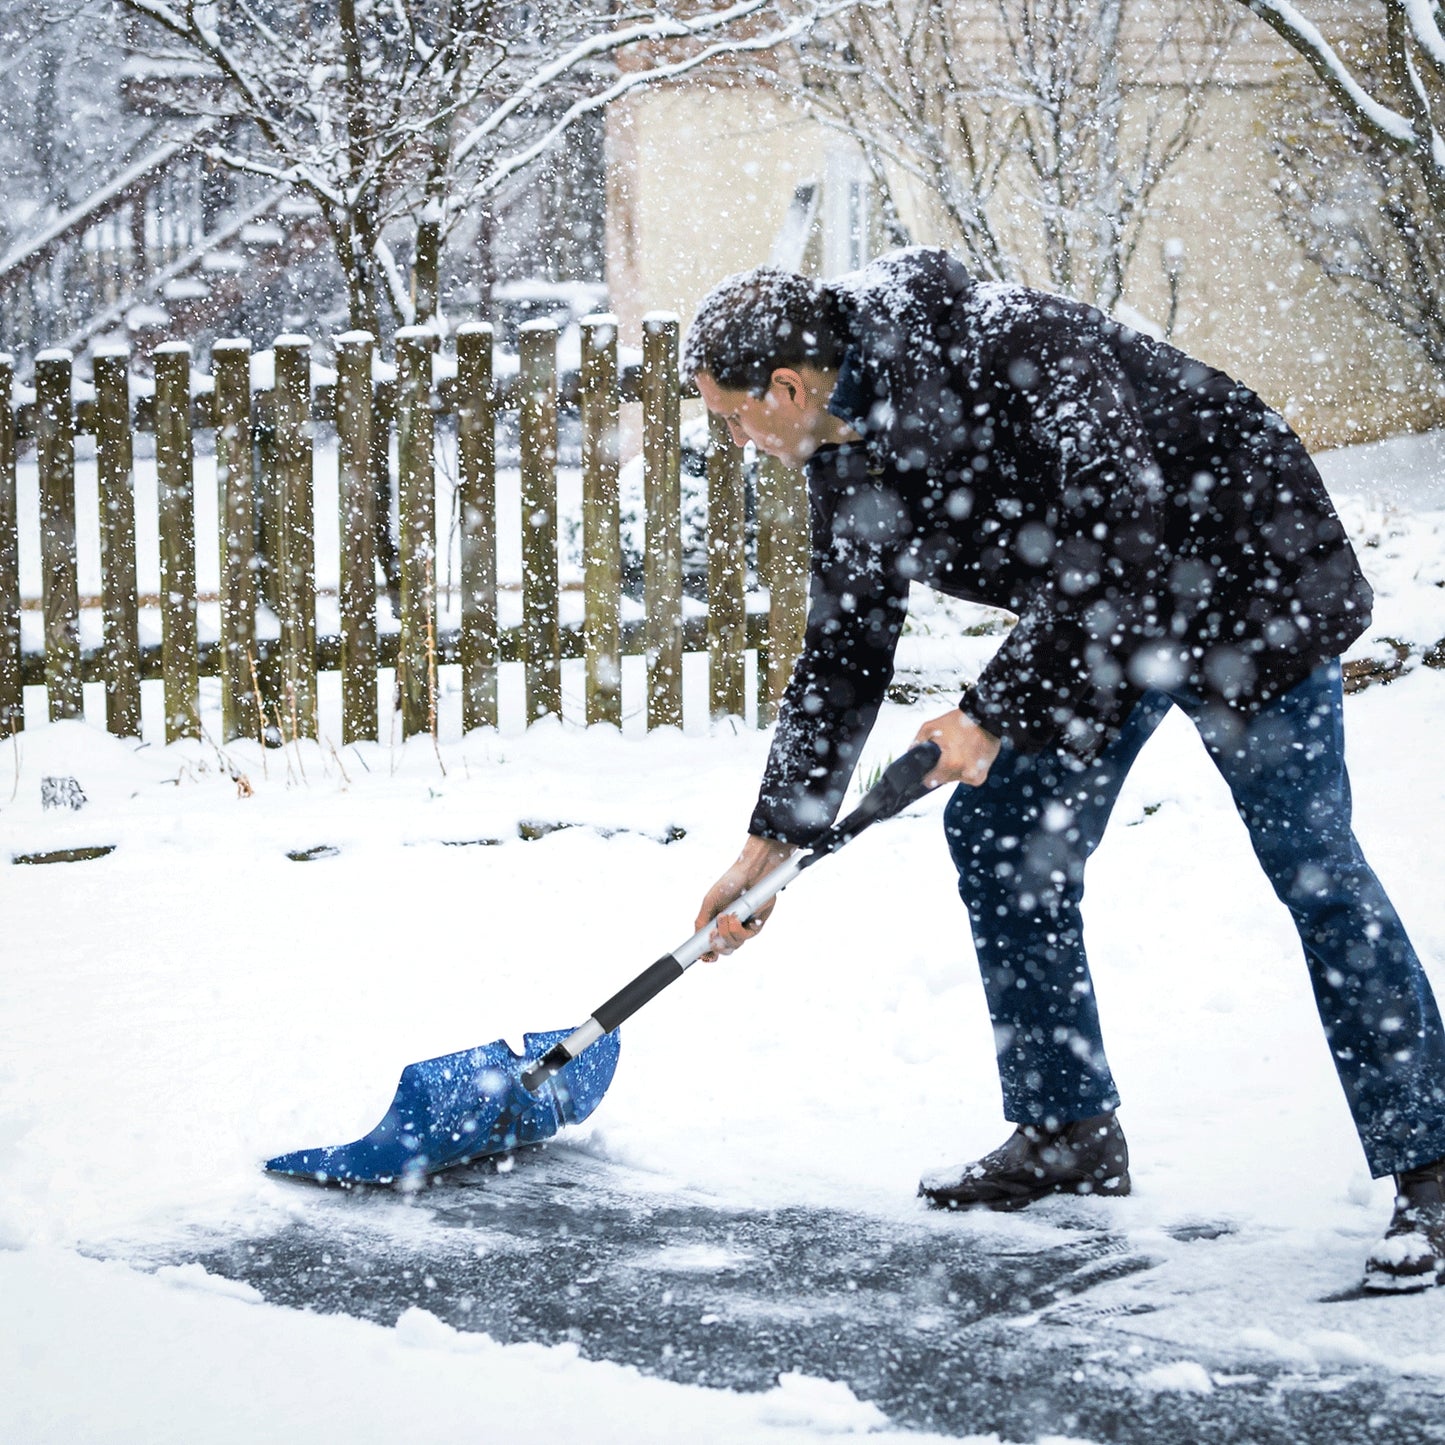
<point x="463" y="1106"/>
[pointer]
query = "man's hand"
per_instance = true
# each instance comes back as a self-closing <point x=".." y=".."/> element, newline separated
<point x="758" y="858"/>
<point x="968" y="750"/>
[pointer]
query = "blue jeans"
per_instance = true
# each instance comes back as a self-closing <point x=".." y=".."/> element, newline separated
<point x="1020" y="843"/>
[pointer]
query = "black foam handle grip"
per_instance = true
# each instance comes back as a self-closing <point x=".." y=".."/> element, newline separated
<point x="900" y="785"/>
<point x="630" y="997"/>
<point x="902" y="781"/>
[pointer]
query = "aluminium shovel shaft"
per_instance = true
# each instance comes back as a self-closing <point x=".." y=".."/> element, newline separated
<point x="652" y="980"/>
<point x="901" y="783"/>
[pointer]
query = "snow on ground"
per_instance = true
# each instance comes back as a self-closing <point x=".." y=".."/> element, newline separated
<point x="195" y="1001"/>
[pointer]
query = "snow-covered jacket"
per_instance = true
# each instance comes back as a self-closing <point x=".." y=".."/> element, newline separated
<point x="1151" y="522"/>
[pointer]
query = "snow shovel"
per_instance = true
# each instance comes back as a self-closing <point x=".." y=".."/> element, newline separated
<point x="489" y="1100"/>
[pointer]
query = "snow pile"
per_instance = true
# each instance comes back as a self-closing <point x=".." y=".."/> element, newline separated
<point x="1188" y="1376"/>
<point x="825" y="1406"/>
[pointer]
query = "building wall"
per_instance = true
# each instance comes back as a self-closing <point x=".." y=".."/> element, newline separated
<point x="700" y="179"/>
<point x="701" y="176"/>
<point x="1251" y="304"/>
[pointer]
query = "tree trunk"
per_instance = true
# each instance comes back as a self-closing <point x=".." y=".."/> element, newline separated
<point x="426" y="270"/>
<point x="1108" y="282"/>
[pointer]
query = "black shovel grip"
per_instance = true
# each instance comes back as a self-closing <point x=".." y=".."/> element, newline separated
<point x="647" y="985"/>
<point x="622" y="1005"/>
<point x="900" y="785"/>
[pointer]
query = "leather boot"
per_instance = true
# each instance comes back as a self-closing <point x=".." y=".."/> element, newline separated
<point x="1088" y="1156"/>
<point x="1412" y="1253"/>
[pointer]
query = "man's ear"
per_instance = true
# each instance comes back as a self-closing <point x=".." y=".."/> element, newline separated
<point x="792" y="384"/>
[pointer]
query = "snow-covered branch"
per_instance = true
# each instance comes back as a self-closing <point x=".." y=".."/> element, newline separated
<point x="596" y="47"/>
<point x="507" y="166"/>
<point x="395" y="282"/>
<point x="1303" y="36"/>
<point x="1420" y="14"/>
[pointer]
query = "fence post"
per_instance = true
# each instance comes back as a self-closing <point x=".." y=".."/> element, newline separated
<point x="55" y="456"/>
<point x="119" y="603"/>
<point x="416" y="481"/>
<point x="12" y="691"/>
<point x="271" y="533"/>
<point x="477" y="465"/>
<point x="358" y="535"/>
<point x="236" y="512"/>
<point x="297" y="559"/>
<point x="662" y="493"/>
<point x="175" y="494"/>
<point x="601" y="545"/>
<point x="383" y="423"/>
<point x="541" y="593"/>
<point x="783" y="527"/>
<point x="727" y="617"/>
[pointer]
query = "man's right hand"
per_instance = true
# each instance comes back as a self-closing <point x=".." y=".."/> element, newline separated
<point x="758" y="858"/>
<point x="966" y="750"/>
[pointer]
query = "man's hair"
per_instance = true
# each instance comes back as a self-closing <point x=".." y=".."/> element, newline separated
<point x="756" y="321"/>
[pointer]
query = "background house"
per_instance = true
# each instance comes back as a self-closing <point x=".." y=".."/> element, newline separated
<point x="737" y="169"/>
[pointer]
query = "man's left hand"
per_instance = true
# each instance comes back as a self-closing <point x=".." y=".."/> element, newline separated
<point x="968" y="750"/>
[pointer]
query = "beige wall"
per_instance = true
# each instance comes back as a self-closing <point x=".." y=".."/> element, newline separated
<point x="702" y="176"/>
<point x="699" y="184"/>
<point x="1251" y="303"/>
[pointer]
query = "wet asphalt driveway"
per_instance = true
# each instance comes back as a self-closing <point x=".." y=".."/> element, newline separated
<point x="938" y="1331"/>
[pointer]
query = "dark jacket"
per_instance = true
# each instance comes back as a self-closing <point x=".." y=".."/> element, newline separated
<point x="1150" y="521"/>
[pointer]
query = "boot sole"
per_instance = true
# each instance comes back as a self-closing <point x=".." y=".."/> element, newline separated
<point x="1115" y="1188"/>
<point x="1374" y="1283"/>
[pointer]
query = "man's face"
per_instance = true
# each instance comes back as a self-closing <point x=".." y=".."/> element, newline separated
<point x="784" y="422"/>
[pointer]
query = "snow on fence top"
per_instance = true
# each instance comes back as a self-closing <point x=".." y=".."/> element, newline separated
<point x="507" y="382"/>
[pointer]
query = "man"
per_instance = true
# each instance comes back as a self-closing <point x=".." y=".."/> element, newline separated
<point x="1164" y="541"/>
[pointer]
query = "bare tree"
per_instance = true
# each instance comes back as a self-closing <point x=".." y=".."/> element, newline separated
<point x="1362" y="154"/>
<point x="1038" y="129"/>
<point x="388" y="110"/>
<point x="58" y="138"/>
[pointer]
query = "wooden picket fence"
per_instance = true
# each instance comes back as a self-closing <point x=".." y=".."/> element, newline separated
<point x="264" y="449"/>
